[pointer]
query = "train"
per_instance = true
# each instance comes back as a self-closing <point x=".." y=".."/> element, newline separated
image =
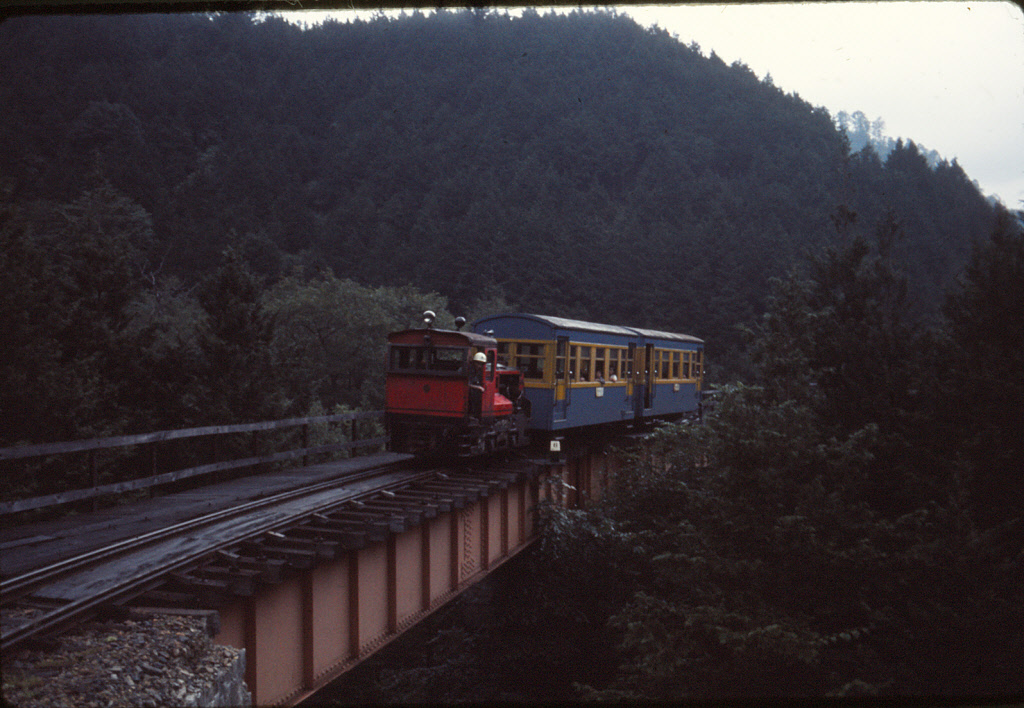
<point x="515" y="378"/>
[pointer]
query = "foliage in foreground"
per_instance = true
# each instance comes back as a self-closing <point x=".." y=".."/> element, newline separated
<point x="819" y="535"/>
<point x="756" y="584"/>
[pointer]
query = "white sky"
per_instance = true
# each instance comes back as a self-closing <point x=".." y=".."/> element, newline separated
<point x="948" y="75"/>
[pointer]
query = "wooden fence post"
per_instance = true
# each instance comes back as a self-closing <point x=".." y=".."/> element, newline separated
<point x="152" y="468"/>
<point x="354" y="436"/>
<point x="94" y="475"/>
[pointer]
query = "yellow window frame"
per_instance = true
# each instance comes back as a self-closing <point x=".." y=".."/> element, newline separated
<point x="515" y="357"/>
<point x="677" y="365"/>
<point x="584" y="358"/>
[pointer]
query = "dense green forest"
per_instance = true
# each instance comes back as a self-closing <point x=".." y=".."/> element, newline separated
<point x="212" y="219"/>
<point x="578" y="165"/>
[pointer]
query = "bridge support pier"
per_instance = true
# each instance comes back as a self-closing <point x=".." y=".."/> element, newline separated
<point x="583" y="474"/>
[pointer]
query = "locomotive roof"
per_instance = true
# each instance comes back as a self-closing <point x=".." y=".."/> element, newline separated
<point x="583" y="326"/>
<point x="472" y="338"/>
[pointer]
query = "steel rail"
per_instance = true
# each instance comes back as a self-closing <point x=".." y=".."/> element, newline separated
<point x="72" y="611"/>
<point x="20" y="585"/>
<point x="177" y="475"/>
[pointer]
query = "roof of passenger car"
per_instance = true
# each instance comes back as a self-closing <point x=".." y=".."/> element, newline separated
<point x="670" y="336"/>
<point x="583" y="326"/>
<point x="566" y="323"/>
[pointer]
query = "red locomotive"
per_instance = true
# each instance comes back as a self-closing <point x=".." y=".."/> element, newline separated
<point x="447" y="394"/>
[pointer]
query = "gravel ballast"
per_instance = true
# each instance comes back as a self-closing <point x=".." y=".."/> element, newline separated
<point x="146" y="662"/>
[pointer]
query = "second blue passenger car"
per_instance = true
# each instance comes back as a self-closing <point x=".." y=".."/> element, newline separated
<point x="580" y="374"/>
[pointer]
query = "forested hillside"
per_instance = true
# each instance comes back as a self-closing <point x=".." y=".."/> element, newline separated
<point x="578" y="165"/>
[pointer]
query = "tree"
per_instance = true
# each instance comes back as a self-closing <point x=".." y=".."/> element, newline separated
<point x="69" y="272"/>
<point x="165" y="334"/>
<point x="839" y="341"/>
<point x="985" y="378"/>
<point x="239" y="373"/>
<point x="330" y="336"/>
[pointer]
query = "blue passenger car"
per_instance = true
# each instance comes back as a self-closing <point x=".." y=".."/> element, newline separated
<point x="582" y="373"/>
<point x="672" y="373"/>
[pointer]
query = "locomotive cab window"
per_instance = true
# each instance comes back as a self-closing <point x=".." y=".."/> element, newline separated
<point x="430" y="360"/>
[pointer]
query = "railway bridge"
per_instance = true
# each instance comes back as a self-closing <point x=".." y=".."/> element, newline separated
<point x="309" y="569"/>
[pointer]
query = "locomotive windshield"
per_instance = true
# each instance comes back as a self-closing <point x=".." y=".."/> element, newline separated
<point x="427" y="359"/>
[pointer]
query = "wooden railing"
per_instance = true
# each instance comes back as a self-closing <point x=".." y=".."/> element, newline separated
<point x="151" y="439"/>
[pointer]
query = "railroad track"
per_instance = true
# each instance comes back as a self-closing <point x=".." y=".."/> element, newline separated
<point x="66" y="592"/>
